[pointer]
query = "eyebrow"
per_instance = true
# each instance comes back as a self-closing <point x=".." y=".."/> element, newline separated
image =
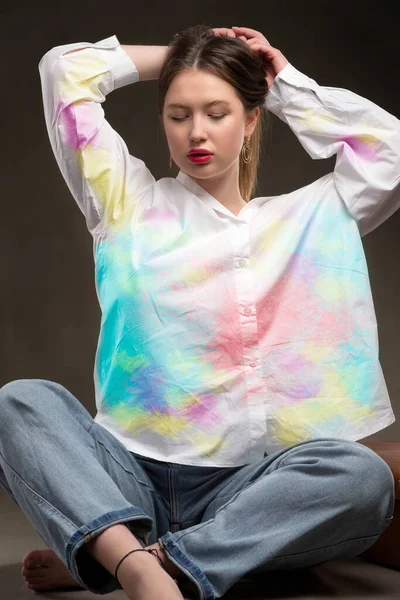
<point x="179" y="105"/>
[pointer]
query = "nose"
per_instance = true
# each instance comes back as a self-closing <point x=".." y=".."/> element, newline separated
<point x="198" y="130"/>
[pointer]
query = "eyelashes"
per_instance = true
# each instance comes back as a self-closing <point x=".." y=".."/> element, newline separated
<point x="212" y="117"/>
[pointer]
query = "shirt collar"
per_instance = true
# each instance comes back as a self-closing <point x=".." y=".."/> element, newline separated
<point x="200" y="192"/>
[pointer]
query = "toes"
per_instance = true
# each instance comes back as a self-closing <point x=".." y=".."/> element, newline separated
<point x="32" y="559"/>
<point x="32" y="572"/>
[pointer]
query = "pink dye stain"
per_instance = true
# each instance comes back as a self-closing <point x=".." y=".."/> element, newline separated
<point x="301" y="378"/>
<point x="80" y="113"/>
<point x="363" y="145"/>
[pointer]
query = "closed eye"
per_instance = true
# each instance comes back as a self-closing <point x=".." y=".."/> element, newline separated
<point x="212" y="116"/>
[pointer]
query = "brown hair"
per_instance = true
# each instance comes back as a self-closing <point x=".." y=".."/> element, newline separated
<point x="234" y="61"/>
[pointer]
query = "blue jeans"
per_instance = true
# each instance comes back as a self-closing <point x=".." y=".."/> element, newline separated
<point x="313" y="502"/>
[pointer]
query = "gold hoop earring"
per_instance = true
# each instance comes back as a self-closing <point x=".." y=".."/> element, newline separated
<point x="170" y="161"/>
<point x="246" y="152"/>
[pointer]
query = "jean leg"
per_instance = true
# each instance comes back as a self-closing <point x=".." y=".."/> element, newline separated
<point x="71" y="477"/>
<point x="313" y="502"/>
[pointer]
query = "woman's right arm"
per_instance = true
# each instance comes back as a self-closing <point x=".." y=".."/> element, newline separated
<point x="147" y="59"/>
<point x="104" y="179"/>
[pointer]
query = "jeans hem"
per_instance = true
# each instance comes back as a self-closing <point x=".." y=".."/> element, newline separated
<point x="87" y="532"/>
<point x="196" y="575"/>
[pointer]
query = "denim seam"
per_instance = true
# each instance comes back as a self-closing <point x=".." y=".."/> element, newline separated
<point x="38" y="496"/>
<point x="179" y="535"/>
<point x="91" y="532"/>
<point x="130" y="472"/>
<point x="197" y="574"/>
<point x="325" y="548"/>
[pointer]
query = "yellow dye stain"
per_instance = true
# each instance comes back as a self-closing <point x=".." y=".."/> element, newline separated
<point x="330" y="288"/>
<point x="293" y="422"/>
<point x="315" y="352"/>
<point x="274" y="234"/>
<point x="316" y="120"/>
<point x="372" y="136"/>
<point x="108" y="184"/>
<point x="193" y="277"/>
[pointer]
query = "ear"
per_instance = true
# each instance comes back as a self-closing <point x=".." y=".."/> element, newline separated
<point x="251" y="121"/>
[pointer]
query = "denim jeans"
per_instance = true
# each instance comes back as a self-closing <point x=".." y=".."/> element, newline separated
<point x="307" y="504"/>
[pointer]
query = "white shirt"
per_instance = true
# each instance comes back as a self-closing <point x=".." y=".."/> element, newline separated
<point x="226" y="337"/>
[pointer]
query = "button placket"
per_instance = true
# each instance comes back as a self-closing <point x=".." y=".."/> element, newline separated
<point x="246" y="298"/>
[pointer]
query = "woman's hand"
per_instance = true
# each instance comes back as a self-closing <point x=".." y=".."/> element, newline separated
<point x="256" y="41"/>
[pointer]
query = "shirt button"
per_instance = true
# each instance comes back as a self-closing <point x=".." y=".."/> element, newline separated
<point x="247" y="312"/>
<point x="253" y="364"/>
<point x="242" y="262"/>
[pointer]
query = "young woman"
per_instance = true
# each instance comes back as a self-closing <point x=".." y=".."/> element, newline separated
<point x="238" y="357"/>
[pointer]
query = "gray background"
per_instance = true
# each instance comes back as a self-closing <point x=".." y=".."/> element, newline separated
<point x="49" y="316"/>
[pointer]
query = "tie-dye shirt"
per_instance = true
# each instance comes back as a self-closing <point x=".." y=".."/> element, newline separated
<point x="226" y="337"/>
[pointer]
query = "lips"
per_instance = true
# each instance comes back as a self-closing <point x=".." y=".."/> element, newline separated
<point x="199" y="153"/>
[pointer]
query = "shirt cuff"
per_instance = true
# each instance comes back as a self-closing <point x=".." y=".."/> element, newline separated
<point x="285" y="84"/>
<point x="123" y="69"/>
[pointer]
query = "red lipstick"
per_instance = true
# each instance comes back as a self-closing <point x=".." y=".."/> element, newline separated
<point x="200" y="158"/>
<point x="199" y="155"/>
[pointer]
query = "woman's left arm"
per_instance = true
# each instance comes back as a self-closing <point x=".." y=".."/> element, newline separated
<point x="327" y="121"/>
<point x="366" y="139"/>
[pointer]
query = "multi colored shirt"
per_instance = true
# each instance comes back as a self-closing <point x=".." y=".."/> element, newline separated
<point x="225" y="337"/>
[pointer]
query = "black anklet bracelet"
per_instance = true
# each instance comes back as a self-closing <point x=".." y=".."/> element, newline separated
<point x="152" y="551"/>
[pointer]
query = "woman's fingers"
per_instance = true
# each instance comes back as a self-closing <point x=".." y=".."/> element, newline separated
<point x="246" y="30"/>
<point x="245" y="34"/>
<point x="223" y="32"/>
<point x="226" y="32"/>
<point x="258" y="43"/>
<point x="249" y="33"/>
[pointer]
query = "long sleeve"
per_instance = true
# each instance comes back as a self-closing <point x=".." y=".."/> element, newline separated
<point x="104" y="179"/>
<point x="365" y="137"/>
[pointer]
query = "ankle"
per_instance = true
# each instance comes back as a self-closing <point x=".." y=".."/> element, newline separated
<point x="111" y="545"/>
<point x="168" y="565"/>
<point x="142" y="577"/>
<point x="136" y="565"/>
<point x="153" y="552"/>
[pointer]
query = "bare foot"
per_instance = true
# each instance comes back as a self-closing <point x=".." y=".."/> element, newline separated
<point x="44" y="571"/>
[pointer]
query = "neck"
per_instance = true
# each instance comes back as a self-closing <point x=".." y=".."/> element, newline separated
<point x="225" y="188"/>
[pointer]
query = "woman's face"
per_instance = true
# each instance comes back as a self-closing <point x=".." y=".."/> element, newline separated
<point x="219" y="128"/>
